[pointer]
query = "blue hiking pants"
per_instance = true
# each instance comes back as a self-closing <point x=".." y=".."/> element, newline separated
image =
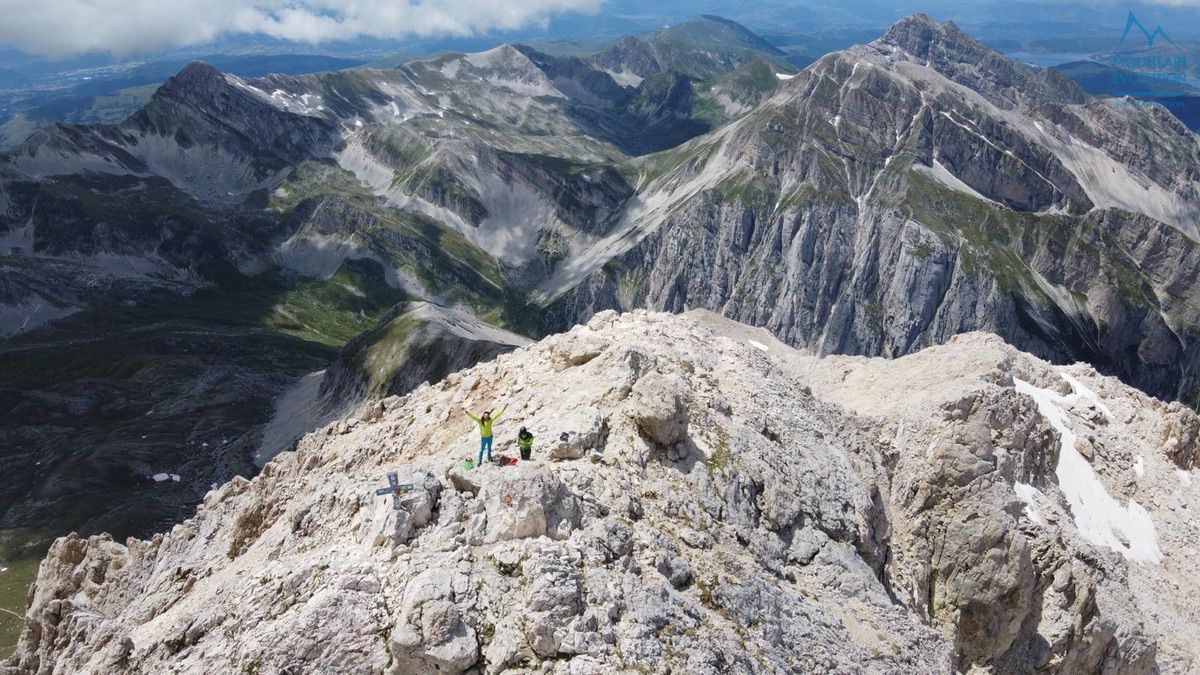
<point x="485" y="443"/>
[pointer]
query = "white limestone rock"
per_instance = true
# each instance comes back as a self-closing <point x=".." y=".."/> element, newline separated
<point x="736" y="511"/>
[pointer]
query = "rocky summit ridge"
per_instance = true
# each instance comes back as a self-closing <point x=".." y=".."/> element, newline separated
<point x="721" y="503"/>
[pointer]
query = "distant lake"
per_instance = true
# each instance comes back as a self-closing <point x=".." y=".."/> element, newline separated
<point x="1047" y="59"/>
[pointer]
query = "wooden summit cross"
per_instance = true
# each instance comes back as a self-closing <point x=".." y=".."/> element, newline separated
<point x="395" y="489"/>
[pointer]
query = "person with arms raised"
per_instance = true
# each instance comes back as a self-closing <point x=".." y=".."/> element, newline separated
<point x="485" y="422"/>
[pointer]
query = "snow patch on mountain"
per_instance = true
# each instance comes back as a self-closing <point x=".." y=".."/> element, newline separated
<point x="258" y="93"/>
<point x="1029" y="495"/>
<point x="1101" y="520"/>
<point x="1087" y="394"/>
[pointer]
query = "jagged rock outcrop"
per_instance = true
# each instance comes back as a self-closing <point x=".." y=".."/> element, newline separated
<point x="779" y="512"/>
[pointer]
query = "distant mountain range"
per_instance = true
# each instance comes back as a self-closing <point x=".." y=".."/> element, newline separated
<point x="112" y="94"/>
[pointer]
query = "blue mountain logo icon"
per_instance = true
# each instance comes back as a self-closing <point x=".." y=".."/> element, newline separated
<point x="1132" y="22"/>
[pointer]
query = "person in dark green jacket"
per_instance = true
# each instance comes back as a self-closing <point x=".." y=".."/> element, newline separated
<point x="525" y="443"/>
<point x="485" y="422"/>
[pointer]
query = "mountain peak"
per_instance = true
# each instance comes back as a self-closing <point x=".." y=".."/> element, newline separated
<point x="727" y="24"/>
<point x="196" y="81"/>
<point x="945" y="48"/>
<point x="503" y="56"/>
<point x="712" y="30"/>
<point x="917" y="19"/>
<point x="198" y="73"/>
<point x="701" y="48"/>
<point x="917" y="33"/>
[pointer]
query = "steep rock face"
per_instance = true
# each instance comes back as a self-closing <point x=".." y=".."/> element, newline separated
<point x="878" y="204"/>
<point x="769" y="511"/>
<point x="823" y="280"/>
<point x="1170" y="163"/>
<point x="1102" y="449"/>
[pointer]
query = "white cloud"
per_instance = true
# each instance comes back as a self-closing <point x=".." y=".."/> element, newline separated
<point x="64" y="27"/>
